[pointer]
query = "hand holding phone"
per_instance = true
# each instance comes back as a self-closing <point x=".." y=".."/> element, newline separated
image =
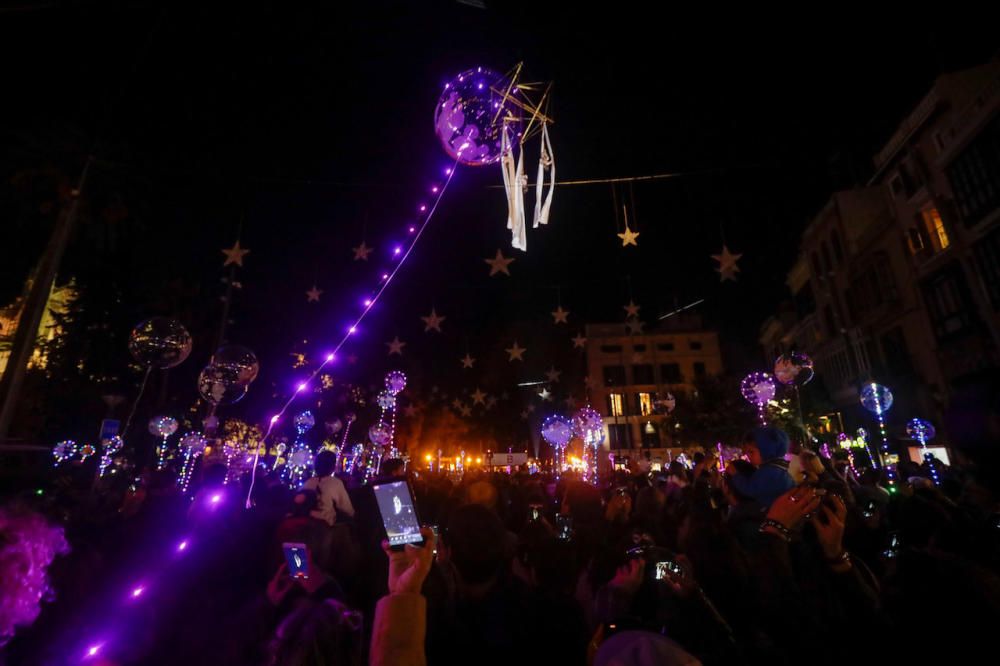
<point x="399" y="514"/>
<point x="297" y="559"/>
<point x="564" y="527"/>
<point x="409" y="565"/>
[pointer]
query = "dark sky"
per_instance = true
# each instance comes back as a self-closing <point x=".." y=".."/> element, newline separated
<point x="308" y="126"/>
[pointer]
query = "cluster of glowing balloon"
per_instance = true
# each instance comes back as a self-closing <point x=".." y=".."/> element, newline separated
<point x="471" y="113"/>
<point x="160" y="342"/>
<point x="63" y="451"/>
<point x="793" y="369"/>
<point x="395" y="382"/>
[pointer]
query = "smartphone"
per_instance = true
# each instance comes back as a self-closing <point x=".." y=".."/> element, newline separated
<point x="564" y="527"/>
<point x="534" y="512"/>
<point x="870" y="508"/>
<point x="297" y="557"/>
<point x="893" y="545"/>
<point x="437" y="538"/>
<point x="665" y="568"/>
<point x="399" y="514"/>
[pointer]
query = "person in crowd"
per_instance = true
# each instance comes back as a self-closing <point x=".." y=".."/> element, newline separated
<point x="765" y="449"/>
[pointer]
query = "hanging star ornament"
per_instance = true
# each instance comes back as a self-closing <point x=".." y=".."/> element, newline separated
<point x="628" y="238"/>
<point x="467" y="361"/>
<point x="478" y="398"/>
<point x="559" y="315"/>
<point x="456" y="403"/>
<point x="312" y="296"/>
<point x="579" y="341"/>
<point x="432" y="322"/>
<point x="499" y="264"/>
<point x="553" y="375"/>
<point x="234" y="255"/>
<point x="466" y="411"/>
<point x="516" y="352"/>
<point x="410" y="411"/>
<point x="545" y="394"/>
<point x="631" y="310"/>
<point x="395" y="346"/>
<point x="727" y="269"/>
<point x="634" y="326"/>
<point x="361" y="252"/>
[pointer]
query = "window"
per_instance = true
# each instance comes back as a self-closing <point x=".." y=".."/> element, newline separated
<point x="650" y="436"/>
<point x="695" y="345"/>
<point x="665" y="346"/>
<point x="975" y="175"/>
<point x="618" y="436"/>
<point x="831" y="325"/>
<point x="615" y="404"/>
<point x="814" y="260"/>
<point x="611" y="349"/>
<point x="827" y="264"/>
<point x="642" y="374"/>
<point x="614" y="375"/>
<point x="699" y="370"/>
<point x="915" y="239"/>
<point x="987" y="253"/>
<point x="639" y="348"/>
<point x="948" y="303"/>
<point x="670" y="373"/>
<point x="645" y="403"/>
<point x="896" y="186"/>
<point x="935" y="227"/>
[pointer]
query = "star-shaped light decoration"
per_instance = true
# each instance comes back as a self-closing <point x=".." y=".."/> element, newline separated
<point x="553" y="375"/>
<point x="395" y="346"/>
<point x="499" y="264"/>
<point x="491" y="402"/>
<point x="579" y="341"/>
<point x="634" y="326"/>
<point x="234" y="255"/>
<point x="524" y="414"/>
<point x="312" y="296"/>
<point x="478" y="398"/>
<point x="628" y="238"/>
<point x="632" y="309"/>
<point x="466" y="411"/>
<point x="515" y="352"/>
<point x="727" y="269"/>
<point x="432" y="322"/>
<point x="559" y="315"/>
<point x="361" y="252"/>
<point x="300" y="359"/>
<point x="531" y="408"/>
<point x="456" y="403"/>
<point x="467" y="362"/>
<point x="545" y="394"/>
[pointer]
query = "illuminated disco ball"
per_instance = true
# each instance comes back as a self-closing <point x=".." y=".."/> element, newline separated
<point x="470" y="115"/>
<point x="920" y="430"/>
<point x="793" y="368"/>
<point x="758" y="388"/>
<point x="876" y="398"/>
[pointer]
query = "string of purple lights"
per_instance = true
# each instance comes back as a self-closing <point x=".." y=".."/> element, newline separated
<point x="415" y="231"/>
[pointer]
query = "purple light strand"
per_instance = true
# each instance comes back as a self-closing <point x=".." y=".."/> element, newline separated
<point x="386" y="279"/>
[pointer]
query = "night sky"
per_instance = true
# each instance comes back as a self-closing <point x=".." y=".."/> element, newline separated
<point x="304" y="129"/>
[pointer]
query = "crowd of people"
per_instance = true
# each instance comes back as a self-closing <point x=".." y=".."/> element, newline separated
<point x="752" y="560"/>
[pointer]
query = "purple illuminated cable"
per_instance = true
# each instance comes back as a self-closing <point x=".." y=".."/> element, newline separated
<point x="369" y="304"/>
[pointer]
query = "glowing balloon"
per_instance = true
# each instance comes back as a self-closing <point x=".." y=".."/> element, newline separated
<point x="240" y="360"/>
<point x="920" y="430"/>
<point x="64" y="450"/>
<point x="758" y="388"/>
<point x="395" y="382"/>
<point x="380" y="434"/>
<point x="221" y="386"/>
<point x="586" y="422"/>
<point x="193" y="443"/>
<point x="163" y="426"/>
<point x="304" y="421"/>
<point x="470" y="116"/>
<point x="334" y="426"/>
<point x="300" y="458"/>
<point x="557" y="431"/>
<point x="160" y="342"/>
<point x="793" y="368"/>
<point x="386" y="400"/>
<point x="876" y="398"/>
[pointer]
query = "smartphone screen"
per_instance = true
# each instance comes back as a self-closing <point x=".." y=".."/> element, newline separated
<point x="437" y="539"/>
<point x="667" y="567"/>
<point x="297" y="557"/>
<point x="892" y="546"/>
<point x="869" y="510"/>
<point x="564" y="527"/>
<point x="399" y="515"/>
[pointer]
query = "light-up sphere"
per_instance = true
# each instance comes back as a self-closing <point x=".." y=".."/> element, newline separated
<point x="920" y="430"/>
<point x="758" y="388"/>
<point x="793" y="369"/>
<point x="351" y="417"/>
<point x="240" y="360"/>
<point x="162" y="426"/>
<point x="113" y="445"/>
<point x="160" y="342"/>
<point x="334" y="426"/>
<point x="221" y="385"/>
<point x="210" y="422"/>
<point x="386" y="400"/>
<point x="192" y="443"/>
<point x="300" y="458"/>
<point x="862" y="434"/>
<point x="664" y="404"/>
<point x="304" y="421"/>
<point x="588" y="424"/>
<point x="86" y="451"/>
<point x="876" y="398"/>
<point x="557" y="430"/>
<point x="380" y="434"/>
<point x="395" y="382"/>
<point x="63" y="450"/>
<point x="470" y="115"/>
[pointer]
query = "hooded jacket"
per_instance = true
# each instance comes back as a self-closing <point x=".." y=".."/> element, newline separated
<point x="771" y="479"/>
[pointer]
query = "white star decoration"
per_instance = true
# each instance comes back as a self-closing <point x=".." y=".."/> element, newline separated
<point x="361" y="252"/>
<point x="559" y="315"/>
<point x="516" y="352"/>
<point x="632" y="309"/>
<point x="545" y="394"/>
<point x="628" y="238"/>
<point x="312" y="296"/>
<point x="479" y="398"/>
<point x="468" y="361"/>
<point x="432" y="322"/>
<point x="234" y="255"/>
<point x="579" y="341"/>
<point x="553" y="375"/>
<point x="395" y="346"/>
<point x="499" y="264"/>
<point x="727" y="264"/>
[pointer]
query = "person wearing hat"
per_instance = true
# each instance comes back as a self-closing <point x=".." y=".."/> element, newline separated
<point x="765" y="448"/>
